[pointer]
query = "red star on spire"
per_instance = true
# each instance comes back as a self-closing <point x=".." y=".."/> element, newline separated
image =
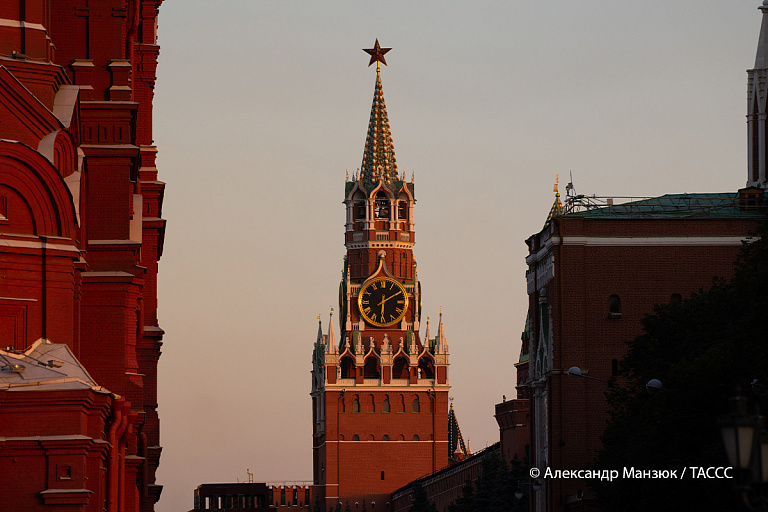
<point x="377" y="53"/>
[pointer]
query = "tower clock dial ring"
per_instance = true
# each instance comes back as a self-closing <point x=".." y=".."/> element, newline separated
<point x="382" y="301"/>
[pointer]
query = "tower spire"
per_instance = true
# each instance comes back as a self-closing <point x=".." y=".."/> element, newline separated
<point x="379" y="161"/>
<point x="331" y="342"/>
<point x="557" y="206"/>
<point x="757" y="126"/>
<point x="441" y="345"/>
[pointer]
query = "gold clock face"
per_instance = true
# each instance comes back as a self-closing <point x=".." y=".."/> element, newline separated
<point x="383" y="301"/>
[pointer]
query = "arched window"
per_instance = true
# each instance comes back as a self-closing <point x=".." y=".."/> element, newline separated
<point x="415" y="407"/>
<point x="371" y="369"/>
<point x="402" y="210"/>
<point x="371" y="438"/>
<point x="427" y="368"/>
<point x="381" y="208"/>
<point x="385" y="405"/>
<point x="360" y="210"/>
<point x="385" y="437"/>
<point x="614" y="306"/>
<point x="372" y="403"/>
<point x="356" y="404"/>
<point x="402" y="404"/>
<point x="347" y="368"/>
<point x="415" y="437"/>
<point x="355" y="437"/>
<point x="400" y="368"/>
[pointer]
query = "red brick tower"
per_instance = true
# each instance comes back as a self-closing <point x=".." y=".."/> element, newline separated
<point x="379" y="391"/>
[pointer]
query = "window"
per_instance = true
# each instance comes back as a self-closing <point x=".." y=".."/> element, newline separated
<point x="415" y="407"/>
<point x="371" y="369"/>
<point x="360" y="210"/>
<point x="347" y="368"/>
<point x="385" y="437"/>
<point x="402" y="210"/>
<point x="382" y="477"/>
<point x="385" y="405"/>
<point x="282" y="495"/>
<point x="356" y="404"/>
<point x="400" y="369"/>
<point x="426" y="368"/>
<point x="614" y="306"/>
<point x="415" y="437"/>
<point x="381" y="209"/>
<point x="65" y="472"/>
<point x="373" y="405"/>
<point x="355" y="437"/>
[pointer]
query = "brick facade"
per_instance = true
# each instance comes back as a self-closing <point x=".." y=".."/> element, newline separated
<point x="593" y="275"/>
<point x="81" y="232"/>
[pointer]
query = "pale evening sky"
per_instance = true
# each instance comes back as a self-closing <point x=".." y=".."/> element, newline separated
<point x="261" y="106"/>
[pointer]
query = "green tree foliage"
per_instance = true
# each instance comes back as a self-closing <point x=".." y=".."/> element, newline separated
<point x="703" y="351"/>
<point x="420" y="501"/>
<point x="465" y="502"/>
<point x="494" y="490"/>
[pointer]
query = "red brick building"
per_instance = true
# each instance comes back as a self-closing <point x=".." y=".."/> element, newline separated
<point x="594" y="271"/>
<point x="379" y="390"/>
<point x="80" y="237"/>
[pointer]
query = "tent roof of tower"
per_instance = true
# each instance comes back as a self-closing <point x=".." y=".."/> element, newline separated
<point x="455" y="439"/>
<point x="379" y="162"/>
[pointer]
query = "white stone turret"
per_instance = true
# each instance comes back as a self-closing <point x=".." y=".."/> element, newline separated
<point x="441" y="345"/>
<point x="757" y="110"/>
<point x="331" y="347"/>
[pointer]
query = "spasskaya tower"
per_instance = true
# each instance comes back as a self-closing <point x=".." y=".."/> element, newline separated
<point x="379" y="390"/>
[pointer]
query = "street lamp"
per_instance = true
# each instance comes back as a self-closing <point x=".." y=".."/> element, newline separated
<point x="746" y="444"/>
<point x="654" y="385"/>
<point x="738" y="430"/>
<point x="575" y="371"/>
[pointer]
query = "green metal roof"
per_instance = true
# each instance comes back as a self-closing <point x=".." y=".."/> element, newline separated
<point x="722" y="204"/>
